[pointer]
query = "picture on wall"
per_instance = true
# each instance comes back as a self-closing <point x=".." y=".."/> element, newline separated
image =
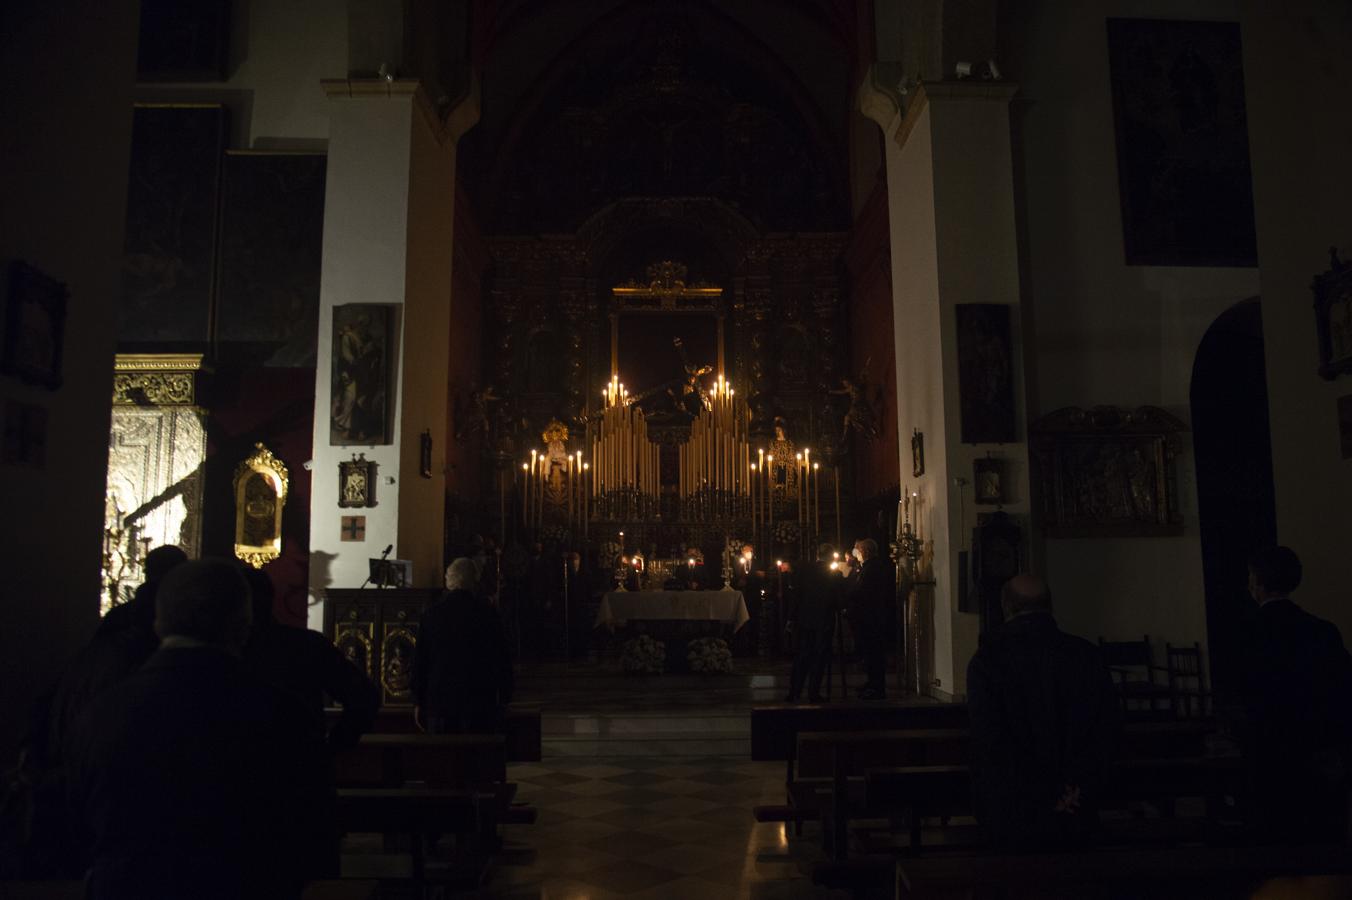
<point x="1333" y="317"/>
<point x="360" y="396"/>
<point x="1182" y="143"/>
<point x="34" y="323"/>
<point x="272" y="225"/>
<point x="169" y="251"/>
<point x="985" y="373"/>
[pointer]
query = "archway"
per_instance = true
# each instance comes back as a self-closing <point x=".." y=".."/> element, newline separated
<point x="1233" y="452"/>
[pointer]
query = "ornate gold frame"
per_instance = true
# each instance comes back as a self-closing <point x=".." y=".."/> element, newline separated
<point x="261" y="485"/>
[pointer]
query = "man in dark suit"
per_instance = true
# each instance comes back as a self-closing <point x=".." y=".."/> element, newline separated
<point x="195" y="778"/>
<point x="308" y="666"/>
<point x="814" y="620"/>
<point x="869" y="596"/>
<point x="1044" y="722"/>
<point x="1296" y="691"/>
<point x="462" y="671"/>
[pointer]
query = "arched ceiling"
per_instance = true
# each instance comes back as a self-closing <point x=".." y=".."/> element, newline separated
<point x="586" y="102"/>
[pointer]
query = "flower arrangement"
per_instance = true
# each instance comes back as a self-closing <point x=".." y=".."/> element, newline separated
<point x="643" y="656"/>
<point x="709" y="655"/>
<point x="787" y="533"/>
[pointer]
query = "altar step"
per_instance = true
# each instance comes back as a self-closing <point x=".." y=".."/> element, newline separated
<point x="687" y="733"/>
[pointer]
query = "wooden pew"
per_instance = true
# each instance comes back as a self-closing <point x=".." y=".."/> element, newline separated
<point x="416" y="812"/>
<point x="1214" y="871"/>
<point x="521" y="726"/>
<point x="775" y="730"/>
<point x="437" y="760"/>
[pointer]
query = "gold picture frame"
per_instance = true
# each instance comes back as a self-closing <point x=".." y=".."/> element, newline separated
<point x="261" y="486"/>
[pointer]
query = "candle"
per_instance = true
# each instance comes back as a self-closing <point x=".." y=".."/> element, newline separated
<point x="525" y="489"/>
<point x="816" y="498"/>
<point x="835" y="478"/>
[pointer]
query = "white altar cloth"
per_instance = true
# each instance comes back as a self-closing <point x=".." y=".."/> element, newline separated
<point x="618" y="607"/>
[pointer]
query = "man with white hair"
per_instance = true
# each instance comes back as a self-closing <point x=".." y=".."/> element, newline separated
<point x="195" y="778"/>
<point x="462" y="672"/>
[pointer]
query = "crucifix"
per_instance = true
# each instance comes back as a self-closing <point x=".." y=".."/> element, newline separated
<point x="353" y="528"/>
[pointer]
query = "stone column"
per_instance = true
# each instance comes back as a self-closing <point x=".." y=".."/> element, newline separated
<point x="388" y="229"/>
<point x="953" y="241"/>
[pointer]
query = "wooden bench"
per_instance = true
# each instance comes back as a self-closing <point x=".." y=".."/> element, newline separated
<point x="520" y="726"/>
<point x="775" y="730"/>
<point x="416" y="812"/>
<point x="436" y="760"/>
<point x="1214" y="870"/>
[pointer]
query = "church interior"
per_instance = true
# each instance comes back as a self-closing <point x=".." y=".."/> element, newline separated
<point x="643" y="305"/>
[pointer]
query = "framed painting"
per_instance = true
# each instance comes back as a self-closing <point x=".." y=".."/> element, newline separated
<point x="360" y="396"/>
<point x="985" y="373"/>
<point x="35" y="324"/>
<point x="357" y="482"/>
<point x="272" y="224"/>
<point x="1106" y="472"/>
<point x="1333" y="317"/>
<point x="1182" y="143"/>
<point x="989" y="477"/>
<point x="169" y="250"/>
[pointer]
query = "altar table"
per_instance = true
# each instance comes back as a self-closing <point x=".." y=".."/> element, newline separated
<point x="618" y="607"/>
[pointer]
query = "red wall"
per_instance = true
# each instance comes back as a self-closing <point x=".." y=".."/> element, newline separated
<point x="872" y="343"/>
<point x="276" y="407"/>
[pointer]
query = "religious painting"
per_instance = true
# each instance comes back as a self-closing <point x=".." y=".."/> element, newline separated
<point x="1333" y="317"/>
<point x="353" y="640"/>
<point x="272" y="227"/>
<point x="168" y="253"/>
<point x="357" y="482"/>
<point x="25" y="435"/>
<point x="1182" y="143"/>
<point x="667" y="361"/>
<point x="359" y="402"/>
<point x="917" y="453"/>
<point x="35" y="322"/>
<point x="1345" y="424"/>
<point x="396" y="663"/>
<point x="352" y="529"/>
<point x="1106" y="472"/>
<point x="183" y="40"/>
<point x="261" y="486"/>
<point x="985" y="373"/>
<point x="988" y="475"/>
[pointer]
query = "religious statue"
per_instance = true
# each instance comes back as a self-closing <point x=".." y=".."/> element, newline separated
<point x="860" y="416"/>
<point x="688" y="396"/>
<point x="480" y="415"/>
<point x="781" y="461"/>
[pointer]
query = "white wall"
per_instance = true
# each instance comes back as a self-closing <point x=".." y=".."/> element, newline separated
<point x="1298" y="66"/>
<point x="1104" y="332"/>
<point x="67" y="67"/>
<point x="273" y="94"/>
<point x="365" y="254"/>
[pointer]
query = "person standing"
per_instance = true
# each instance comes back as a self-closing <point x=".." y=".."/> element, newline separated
<point x="1044" y="723"/>
<point x="869" y="596"/>
<point x="1296" y="694"/>
<point x="814" y="621"/>
<point x="462" y="670"/>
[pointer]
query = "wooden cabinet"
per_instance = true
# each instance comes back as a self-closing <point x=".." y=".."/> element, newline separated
<point x="377" y="629"/>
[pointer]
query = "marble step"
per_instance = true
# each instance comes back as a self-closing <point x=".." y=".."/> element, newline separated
<point x="638" y="725"/>
<point x="576" y="747"/>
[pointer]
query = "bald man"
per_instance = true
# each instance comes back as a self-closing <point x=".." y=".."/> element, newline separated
<point x="1044" y="721"/>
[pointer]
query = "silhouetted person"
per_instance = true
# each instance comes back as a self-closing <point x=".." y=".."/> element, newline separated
<point x="308" y="666"/>
<point x="814" y="620"/>
<point x="125" y="639"/>
<point x="1044" y="722"/>
<point x="870" y="593"/>
<point x="462" y="672"/>
<point x="196" y="778"/>
<point x="139" y="611"/>
<point x="1296" y="688"/>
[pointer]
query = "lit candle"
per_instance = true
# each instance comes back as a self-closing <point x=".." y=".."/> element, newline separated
<point x="525" y="489"/>
<point x="816" y="498"/>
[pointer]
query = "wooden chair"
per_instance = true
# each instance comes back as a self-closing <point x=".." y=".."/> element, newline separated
<point x="1187" y="686"/>
<point x="1133" y="669"/>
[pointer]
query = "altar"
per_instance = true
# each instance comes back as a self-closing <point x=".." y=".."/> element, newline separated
<point x="620" y="607"/>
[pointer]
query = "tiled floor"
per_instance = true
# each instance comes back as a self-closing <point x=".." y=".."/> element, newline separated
<point x="650" y="828"/>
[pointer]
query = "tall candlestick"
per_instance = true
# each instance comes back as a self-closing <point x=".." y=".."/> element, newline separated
<point x="816" y="498"/>
<point x="525" y="489"/>
<point x="835" y="479"/>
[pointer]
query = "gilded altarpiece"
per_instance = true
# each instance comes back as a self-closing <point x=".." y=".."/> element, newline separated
<point x="156" y="449"/>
